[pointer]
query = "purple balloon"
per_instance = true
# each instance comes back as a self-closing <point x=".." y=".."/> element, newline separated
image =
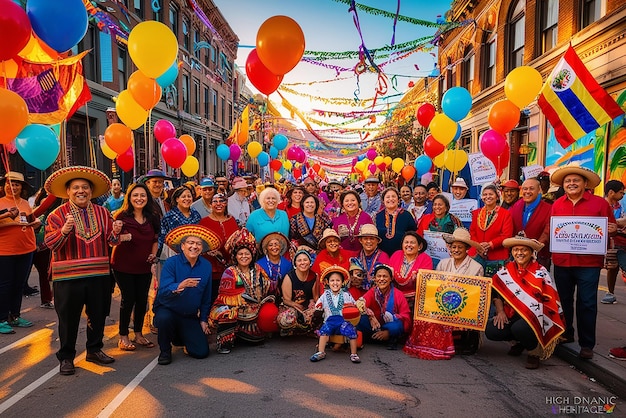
<point x="235" y="152"/>
<point x="492" y="143"/>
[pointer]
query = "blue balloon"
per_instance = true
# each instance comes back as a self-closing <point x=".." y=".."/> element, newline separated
<point x="263" y="158"/>
<point x="273" y="152"/>
<point x="361" y="157"/>
<point x="457" y="135"/>
<point x="61" y="23"/>
<point x="456" y="103"/>
<point x="223" y="152"/>
<point x="423" y="164"/>
<point x="38" y="145"/>
<point x="168" y="77"/>
<point x="280" y="142"/>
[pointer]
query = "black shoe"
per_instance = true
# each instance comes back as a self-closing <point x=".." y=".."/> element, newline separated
<point x="585" y="353"/>
<point x="516" y="350"/>
<point x="31" y="291"/>
<point x="164" y="358"/>
<point x="67" y="368"/>
<point x="99" y="357"/>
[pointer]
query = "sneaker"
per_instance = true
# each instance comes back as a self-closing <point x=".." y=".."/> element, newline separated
<point x="31" y="291"/>
<point x="20" y="322"/>
<point x="222" y="350"/>
<point x="47" y="305"/>
<point x="319" y="356"/>
<point x="609" y="298"/>
<point x="355" y="358"/>
<point x="5" y="328"/>
<point x="618" y="353"/>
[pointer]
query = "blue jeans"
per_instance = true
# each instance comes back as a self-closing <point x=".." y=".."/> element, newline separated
<point x="584" y="282"/>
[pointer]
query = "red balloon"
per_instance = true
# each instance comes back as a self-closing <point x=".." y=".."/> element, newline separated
<point x="15" y="29"/>
<point x="425" y="113"/>
<point x="432" y="147"/>
<point x="164" y="130"/>
<point x="408" y="171"/>
<point x="297" y="173"/>
<point x="502" y="161"/>
<point x="260" y="77"/>
<point x="174" y="152"/>
<point x="492" y="144"/>
<point x="267" y="318"/>
<point x="126" y="161"/>
<point x="503" y="116"/>
<point x="276" y="165"/>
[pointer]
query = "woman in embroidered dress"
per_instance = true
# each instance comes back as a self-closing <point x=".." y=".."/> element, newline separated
<point x="181" y="214"/>
<point x="349" y="222"/>
<point x="223" y="225"/>
<point x="300" y="290"/>
<point x="307" y="227"/>
<point x="528" y="309"/>
<point x="331" y="254"/>
<point x="407" y="262"/>
<point x="432" y="341"/>
<point x="293" y="201"/>
<point x="243" y="290"/>
<point x="491" y="225"/>
<point x="393" y="222"/>
<point x="440" y="220"/>
<point x="275" y="265"/>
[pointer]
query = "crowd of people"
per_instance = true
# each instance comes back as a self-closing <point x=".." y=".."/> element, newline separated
<point x="243" y="259"/>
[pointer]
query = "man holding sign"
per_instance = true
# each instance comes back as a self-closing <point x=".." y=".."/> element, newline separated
<point x="578" y="271"/>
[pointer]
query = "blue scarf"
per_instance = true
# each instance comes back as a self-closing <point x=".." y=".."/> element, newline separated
<point x="528" y="210"/>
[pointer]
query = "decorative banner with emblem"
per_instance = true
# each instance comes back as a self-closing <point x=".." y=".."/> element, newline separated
<point x="578" y="234"/>
<point x="452" y="299"/>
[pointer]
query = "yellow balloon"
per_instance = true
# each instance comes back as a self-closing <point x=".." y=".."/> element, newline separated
<point x="522" y="85"/>
<point x="440" y="159"/>
<point x="360" y="166"/>
<point x="153" y="47"/>
<point x="129" y="111"/>
<point x="397" y="164"/>
<point x="387" y="161"/>
<point x="442" y="128"/>
<point x="455" y="160"/>
<point x="108" y="152"/>
<point x="191" y="166"/>
<point x="366" y="173"/>
<point x="287" y="165"/>
<point x="277" y="176"/>
<point x="254" y="149"/>
<point x="379" y="160"/>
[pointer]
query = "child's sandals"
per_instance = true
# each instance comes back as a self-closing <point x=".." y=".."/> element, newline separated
<point x="355" y="358"/>
<point x="319" y="356"/>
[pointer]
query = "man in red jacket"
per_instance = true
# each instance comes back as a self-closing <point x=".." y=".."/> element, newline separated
<point x="531" y="214"/>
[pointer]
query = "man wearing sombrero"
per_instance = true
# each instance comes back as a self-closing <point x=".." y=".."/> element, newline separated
<point x="181" y="308"/>
<point x="79" y="234"/>
<point x="579" y="273"/>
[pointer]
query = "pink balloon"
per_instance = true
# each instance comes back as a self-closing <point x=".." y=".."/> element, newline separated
<point x="174" y="152"/>
<point x="372" y="168"/>
<point x="164" y="130"/>
<point x="126" y="161"/>
<point x="371" y="154"/>
<point x="492" y="144"/>
<point x="235" y="152"/>
<point x="292" y="152"/>
<point x="300" y="155"/>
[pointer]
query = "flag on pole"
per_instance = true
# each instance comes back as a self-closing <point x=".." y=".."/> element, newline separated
<point x="573" y="101"/>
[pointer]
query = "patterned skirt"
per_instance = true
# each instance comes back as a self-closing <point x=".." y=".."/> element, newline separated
<point x="430" y="341"/>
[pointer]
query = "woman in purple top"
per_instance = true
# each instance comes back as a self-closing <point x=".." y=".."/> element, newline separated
<point x="349" y="222"/>
<point x="132" y="260"/>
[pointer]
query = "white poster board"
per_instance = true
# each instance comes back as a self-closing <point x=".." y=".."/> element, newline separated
<point x="578" y="234"/>
<point x="532" y="171"/>
<point x="437" y="247"/>
<point x="483" y="171"/>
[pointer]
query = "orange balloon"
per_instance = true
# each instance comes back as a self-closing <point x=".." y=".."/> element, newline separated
<point x="408" y="172"/>
<point x="129" y="111"/>
<point x="189" y="142"/>
<point x="280" y="44"/>
<point x="144" y="90"/>
<point x="118" y="137"/>
<point x="503" y="116"/>
<point x="13" y="115"/>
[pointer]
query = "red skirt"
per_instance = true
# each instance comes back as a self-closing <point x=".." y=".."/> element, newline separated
<point x="430" y="341"/>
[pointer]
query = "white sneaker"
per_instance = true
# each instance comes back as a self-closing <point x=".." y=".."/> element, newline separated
<point x="609" y="298"/>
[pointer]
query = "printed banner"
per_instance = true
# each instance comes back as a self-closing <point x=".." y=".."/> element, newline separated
<point x="578" y="234"/>
<point x="437" y="247"/>
<point x="452" y="299"/>
<point x="463" y="208"/>
<point x="483" y="171"/>
<point x="532" y="171"/>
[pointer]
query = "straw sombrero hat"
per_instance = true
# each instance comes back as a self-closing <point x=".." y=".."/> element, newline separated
<point x="282" y="241"/>
<point x="56" y="184"/>
<point x="369" y="230"/>
<point x="336" y="269"/>
<point x="522" y="240"/>
<point x="461" y="235"/>
<point x="210" y="241"/>
<point x="328" y="232"/>
<point x="593" y="179"/>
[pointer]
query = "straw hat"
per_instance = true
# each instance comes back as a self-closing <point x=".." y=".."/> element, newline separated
<point x="56" y="183"/>
<point x="335" y="269"/>
<point x="461" y="235"/>
<point x="459" y="182"/>
<point x="15" y="176"/>
<point x="282" y="241"/>
<point x="523" y="240"/>
<point x="328" y="232"/>
<point x="593" y="179"/>
<point x="239" y="184"/>
<point x="175" y="237"/>
<point x="369" y="230"/>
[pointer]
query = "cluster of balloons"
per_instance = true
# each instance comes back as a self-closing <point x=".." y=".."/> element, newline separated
<point x="521" y="86"/>
<point x="279" y="48"/>
<point x="370" y="163"/>
<point x="58" y="25"/>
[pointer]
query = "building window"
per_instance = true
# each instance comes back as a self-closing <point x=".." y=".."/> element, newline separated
<point x="591" y="11"/>
<point x="468" y="69"/>
<point x="90" y="63"/>
<point x="517" y="35"/>
<point x="121" y="68"/>
<point x="549" y="24"/>
<point x="207" y="53"/>
<point x="223" y="111"/>
<point x="174" y="20"/>
<point x="196" y="96"/>
<point x="206" y="102"/>
<point x="214" y="102"/>
<point x="186" y="93"/>
<point x="157" y="5"/>
<point x="213" y="54"/>
<point x="138" y="7"/>
<point x="490" y="62"/>
<point x="197" y="40"/>
<point x="186" y="36"/>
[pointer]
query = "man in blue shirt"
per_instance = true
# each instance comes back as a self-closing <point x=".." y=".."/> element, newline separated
<point x="183" y="301"/>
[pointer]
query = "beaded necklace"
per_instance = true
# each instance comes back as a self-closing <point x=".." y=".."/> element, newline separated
<point x="351" y="227"/>
<point x="486" y="218"/>
<point x="390" y="223"/>
<point x="274" y="273"/>
<point x="85" y="223"/>
<point x="403" y="277"/>
<point x="249" y="283"/>
<point x="335" y="310"/>
<point x="369" y="262"/>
